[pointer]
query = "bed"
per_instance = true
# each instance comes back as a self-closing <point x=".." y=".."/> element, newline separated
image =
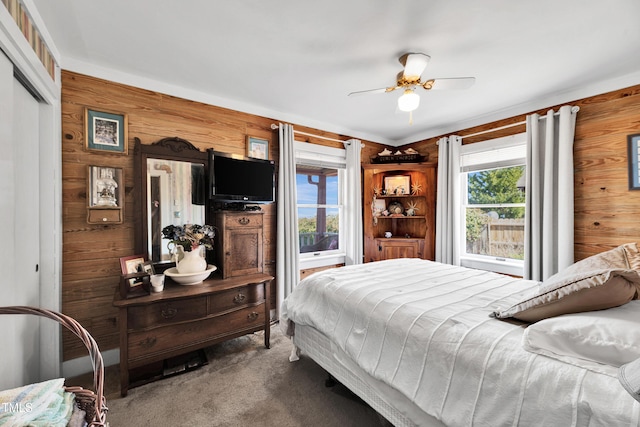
<point x="430" y="344"/>
<point x="51" y="403"/>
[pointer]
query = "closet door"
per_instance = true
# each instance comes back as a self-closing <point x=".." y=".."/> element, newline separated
<point x="19" y="211"/>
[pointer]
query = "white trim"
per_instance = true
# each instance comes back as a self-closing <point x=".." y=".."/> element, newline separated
<point x="322" y="260"/>
<point x="20" y="53"/>
<point x="82" y="365"/>
<point x="498" y="265"/>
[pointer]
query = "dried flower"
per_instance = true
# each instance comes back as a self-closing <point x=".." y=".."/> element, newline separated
<point x="190" y="236"/>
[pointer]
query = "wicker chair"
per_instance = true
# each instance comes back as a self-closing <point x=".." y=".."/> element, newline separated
<point x="93" y="403"/>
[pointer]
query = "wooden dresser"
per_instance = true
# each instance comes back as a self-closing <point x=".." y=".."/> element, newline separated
<point x="181" y="319"/>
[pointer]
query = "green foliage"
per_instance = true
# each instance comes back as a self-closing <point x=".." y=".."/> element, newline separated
<point x="497" y="186"/>
<point x="308" y="225"/>
<point x="476" y="222"/>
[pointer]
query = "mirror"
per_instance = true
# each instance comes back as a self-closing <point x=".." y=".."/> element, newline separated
<point x="170" y="176"/>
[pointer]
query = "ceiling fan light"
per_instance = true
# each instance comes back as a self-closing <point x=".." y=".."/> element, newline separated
<point x="409" y="101"/>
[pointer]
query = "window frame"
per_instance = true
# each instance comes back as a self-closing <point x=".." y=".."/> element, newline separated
<point x="508" y="266"/>
<point x="314" y="155"/>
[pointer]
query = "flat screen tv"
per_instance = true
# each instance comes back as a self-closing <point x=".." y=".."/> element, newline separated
<point x="234" y="178"/>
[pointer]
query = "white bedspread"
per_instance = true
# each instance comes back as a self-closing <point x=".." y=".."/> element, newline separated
<point x="424" y="328"/>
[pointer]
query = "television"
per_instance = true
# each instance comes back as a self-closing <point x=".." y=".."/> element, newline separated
<point x="238" y="179"/>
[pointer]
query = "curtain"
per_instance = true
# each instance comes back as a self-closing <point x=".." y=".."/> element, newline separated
<point x="549" y="199"/>
<point x="287" y="263"/>
<point x="353" y="204"/>
<point x="448" y="201"/>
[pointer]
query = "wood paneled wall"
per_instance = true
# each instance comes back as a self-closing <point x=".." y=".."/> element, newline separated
<point x="91" y="253"/>
<point x="606" y="211"/>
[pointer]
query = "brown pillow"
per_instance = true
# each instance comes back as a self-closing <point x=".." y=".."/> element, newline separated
<point x="601" y="281"/>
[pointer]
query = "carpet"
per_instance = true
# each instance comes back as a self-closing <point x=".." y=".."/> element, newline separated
<point x="244" y="384"/>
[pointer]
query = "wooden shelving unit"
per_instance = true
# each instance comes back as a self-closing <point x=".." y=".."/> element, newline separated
<point x="412" y="236"/>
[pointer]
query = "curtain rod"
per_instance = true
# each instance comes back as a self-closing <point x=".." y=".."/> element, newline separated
<point x="274" y="127"/>
<point x="574" y="109"/>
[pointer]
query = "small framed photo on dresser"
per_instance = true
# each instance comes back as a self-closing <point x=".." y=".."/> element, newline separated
<point x="136" y="275"/>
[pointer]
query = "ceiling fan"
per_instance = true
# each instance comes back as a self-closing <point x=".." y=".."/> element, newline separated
<point x="409" y="79"/>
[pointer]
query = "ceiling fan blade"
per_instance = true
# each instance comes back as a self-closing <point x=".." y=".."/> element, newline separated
<point x="372" y="91"/>
<point x="414" y="65"/>
<point x="450" y="83"/>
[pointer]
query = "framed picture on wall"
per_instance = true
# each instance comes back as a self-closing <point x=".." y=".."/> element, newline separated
<point x="633" y="154"/>
<point x="257" y="148"/>
<point x="105" y="131"/>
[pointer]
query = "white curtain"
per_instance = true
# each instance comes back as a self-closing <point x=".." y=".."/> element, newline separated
<point x="448" y="201"/>
<point x="549" y="212"/>
<point x="288" y="247"/>
<point x="353" y="204"/>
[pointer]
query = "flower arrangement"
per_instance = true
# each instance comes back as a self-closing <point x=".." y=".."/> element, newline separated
<point x="190" y="236"/>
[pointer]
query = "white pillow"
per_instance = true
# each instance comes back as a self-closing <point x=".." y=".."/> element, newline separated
<point x="610" y="337"/>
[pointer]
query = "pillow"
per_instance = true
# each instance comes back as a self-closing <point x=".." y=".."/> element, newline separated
<point x="610" y="337"/>
<point x="601" y="281"/>
<point x="629" y="376"/>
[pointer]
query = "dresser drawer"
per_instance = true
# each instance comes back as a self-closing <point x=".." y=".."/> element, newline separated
<point x="237" y="297"/>
<point x="155" y="342"/>
<point x="242" y="220"/>
<point x="167" y="312"/>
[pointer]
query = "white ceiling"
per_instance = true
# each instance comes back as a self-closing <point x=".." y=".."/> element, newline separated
<point x="296" y="61"/>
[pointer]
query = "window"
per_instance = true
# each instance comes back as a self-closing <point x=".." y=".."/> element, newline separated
<point x="319" y="181"/>
<point x="492" y="179"/>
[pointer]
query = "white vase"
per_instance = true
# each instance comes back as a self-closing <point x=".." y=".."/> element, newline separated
<point x="192" y="262"/>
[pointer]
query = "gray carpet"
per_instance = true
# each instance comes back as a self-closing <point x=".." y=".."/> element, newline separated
<point x="244" y="384"/>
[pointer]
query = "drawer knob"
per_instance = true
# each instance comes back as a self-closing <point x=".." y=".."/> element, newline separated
<point x="169" y="312"/>
<point x="238" y="299"/>
<point x="253" y="316"/>
<point x="244" y="220"/>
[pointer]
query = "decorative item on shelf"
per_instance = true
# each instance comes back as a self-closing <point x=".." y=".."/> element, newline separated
<point x="412" y="207"/>
<point x="378" y="206"/>
<point x="416" y="189"/>
<point x="408" y="156"/>
<point x="396" y="209"/>
<point x="189" y="244"/>
<point x="397" y="185"/>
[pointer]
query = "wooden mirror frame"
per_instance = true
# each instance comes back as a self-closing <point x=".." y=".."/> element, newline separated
<point x="172" y="148"/>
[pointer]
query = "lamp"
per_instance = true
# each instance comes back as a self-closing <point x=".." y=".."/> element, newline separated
<point x="409" y="101"/>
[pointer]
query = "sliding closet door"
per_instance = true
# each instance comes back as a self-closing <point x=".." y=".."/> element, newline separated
<point x="19" y="211"/>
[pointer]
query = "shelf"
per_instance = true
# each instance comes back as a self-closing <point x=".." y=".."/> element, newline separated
<point x="398" y="196"/>
<point x="400" y="217"/>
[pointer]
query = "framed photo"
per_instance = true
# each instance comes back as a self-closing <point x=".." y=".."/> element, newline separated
<point x="105" y="131"/>
<point x="135" y="278"/>
<point x="397" y="185"/>
<point x="633" y="154"/>
<point x="379" y="206"/>
<point x="257" y="148"/>
<point x="104" y="186"/>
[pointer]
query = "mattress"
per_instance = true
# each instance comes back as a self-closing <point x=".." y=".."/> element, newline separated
<point x="424" y="330"/>
<point x="389" y="403"/>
